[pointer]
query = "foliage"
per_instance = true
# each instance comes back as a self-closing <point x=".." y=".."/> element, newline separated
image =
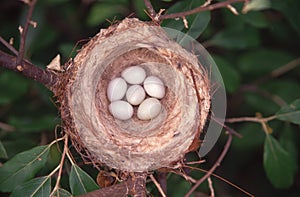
<point x="258" y="56"/>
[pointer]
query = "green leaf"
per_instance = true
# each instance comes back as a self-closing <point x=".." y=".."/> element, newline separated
<point x="232" y="39"/>
<point x="3" y="153"/>
<point x="34" y="188"/>
<point x="262" y="61"/>
<point x="253" y="138"/>
<point x="197" y="23"/>
<point x="290" y="113"/>
<point x="22" y="167"/>
<point x="61" y="193"/>
<point x="288" y="142"/>
<point x="182" y="186"/>
<point x="255" y="5"/>
<point x="81" y="182"/>
<point x="256" y="19"/>
<point x="12" y="86"/>
<point x="230" y="75"/>
<point x="278" y="164"/>
<point x="290" y="9"/>
<point x="101" y="11"/>
<point x="283" y="87"/>
<point x="34" y="124"/>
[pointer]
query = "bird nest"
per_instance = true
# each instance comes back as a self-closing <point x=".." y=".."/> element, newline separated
<point x="134" y="145"/>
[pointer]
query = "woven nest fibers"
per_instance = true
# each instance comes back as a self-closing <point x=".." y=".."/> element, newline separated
<point x="134" y="145"/>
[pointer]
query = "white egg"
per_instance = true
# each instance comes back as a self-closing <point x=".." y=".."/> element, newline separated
<point x="116" y="89"/>
<point x="135" y="94"/>
<point x="154" y="87"/>
<point x="134" y="75"/>
<point x="121" y="110"/>
<point x="149" y="109"/>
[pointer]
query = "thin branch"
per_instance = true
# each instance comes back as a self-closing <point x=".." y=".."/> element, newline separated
<point x="29" y="70"/>
<point x="254" y="88"/>
<point x="213" y="168"/>
<point x="222" y="179"/>
<point x="161" y="191"/>
<point x="19" y="60"/>
<point x="6" y="127"/>
<point x="150" y="8"/>
<point x="211" y="187"/>
<point x="135" y="186"/>
<point x="230" y="130"/>
<point x="250" y="119"/>
<point x="11" y="48"/>
<point x="61" y="164"/>
<point x="285" y="68"/>
<point x="117" y="190"/>
<point x="162" y="179"/>
<point x="200" y="9"/>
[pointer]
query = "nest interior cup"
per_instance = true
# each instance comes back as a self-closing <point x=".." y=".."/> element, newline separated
<point x="135" y="145"/>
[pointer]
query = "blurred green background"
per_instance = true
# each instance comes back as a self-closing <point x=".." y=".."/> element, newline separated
<point x="246" y="48"/>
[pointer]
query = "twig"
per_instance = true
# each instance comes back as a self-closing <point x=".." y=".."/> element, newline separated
<point x="254" y="88"/>
<point x="279" y="71"/>
<point x="29" y="70"/>
<point x="200" y="9"/>
<point x="211" y="187"/>
<point x="249" y="119"/>
<point x="11" y="48"/>
<point x="19" y="60"/>
<point x="150" y="8"/>
<point x="222" y="179"/>
<point x="6" y="127"/>
<point x="134" y="186"/>
<point x="162" y="179"/>
<point x="117" y="190"/>
<point x="258" y="119"/>
<point x="285" y="68"/>
<point x="230" y="130"/>
<point x="158" y="186"/>
<point x="61" y="164"/>
<point x="212" y="169"/>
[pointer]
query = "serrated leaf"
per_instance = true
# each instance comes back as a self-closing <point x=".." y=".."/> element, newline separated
<point x="290" y="113"/>
<point x="61" y="193"/>
<point x="255" y="5"/>
<point x="81" y="182"/>
<point x="22" y="167"/>
<point x="38" y="187"/>
<point x="3" y="153"/>
<point x="278" y="164"/>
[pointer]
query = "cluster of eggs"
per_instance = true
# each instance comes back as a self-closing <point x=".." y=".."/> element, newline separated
<point x="135" y="89"/>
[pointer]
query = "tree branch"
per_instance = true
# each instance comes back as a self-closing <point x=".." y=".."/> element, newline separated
<point x="212" y="169"/>
<point x="29" y="70"/>
<point x="200" y="9"/>
<point x="135" y="186"/>
<point x="150" y="8"/>
<point x="24" y="31"/>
